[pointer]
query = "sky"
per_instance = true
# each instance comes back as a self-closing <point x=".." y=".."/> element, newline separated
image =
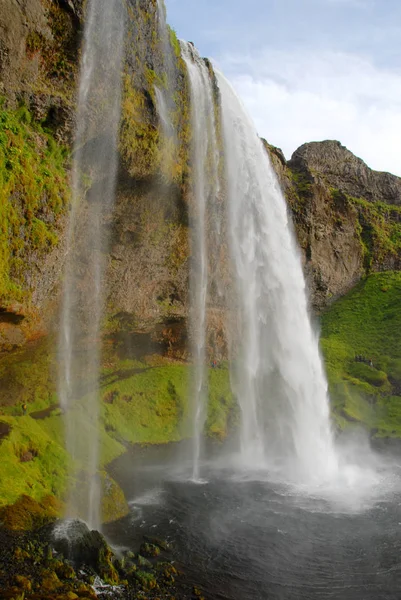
<point x="308" y="70"/>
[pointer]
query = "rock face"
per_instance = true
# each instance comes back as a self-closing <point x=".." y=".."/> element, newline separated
<point x="346" y="216"/>
<point x="39" y="48"/>
<point x="344" y="171"/>
<point x="336" y="200"/>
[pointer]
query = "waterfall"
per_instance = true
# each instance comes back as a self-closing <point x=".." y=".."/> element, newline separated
<point x="93" y="189"/>
<point x="277" y="371"/>
<point x="205" y="188"/>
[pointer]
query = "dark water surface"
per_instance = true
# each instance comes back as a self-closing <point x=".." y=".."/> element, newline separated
<point x="248" y="540"/>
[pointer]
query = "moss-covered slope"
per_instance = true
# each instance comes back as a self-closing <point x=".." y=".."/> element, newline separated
<point x="362" y="348"/>
<point x="143" y="400"/>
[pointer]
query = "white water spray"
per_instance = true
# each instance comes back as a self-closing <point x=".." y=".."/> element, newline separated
<point x="205" y="188"/>
<point x="277" y="374"/>
<point x="94" y="168"/>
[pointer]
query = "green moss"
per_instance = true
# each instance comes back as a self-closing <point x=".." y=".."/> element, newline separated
<point x="33" y="194"/>
<point x="146" y="579"/>
<point x="222" y="409"/>
<point x="56" y="53"/>
<point x="149" y="406"/>
<point x="139" y="138"/>
<point x="31" y="462"/>
<point x="366" y="323"/>
<point x="27" y="376"/>
<point x="114" y="504"/>
<point x="26" y="514"/>
<point x="175" y="44"/>
<point x="379" y="229"/>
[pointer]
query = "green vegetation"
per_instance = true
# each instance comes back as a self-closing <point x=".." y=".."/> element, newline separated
<point x="26" y="514"/>
<point x="142" y="402"/>
<point x="175" y="44"/>
<point x="366" y="323"/>
<point x="222" y="409"/>
<point x="31" y="462"/>
<point x="27" y="376"/>
<point x="379" y="229"/>
<point x="56" y="53"/>
<point x="150" y="404"/>
<point x="33" y="194"/>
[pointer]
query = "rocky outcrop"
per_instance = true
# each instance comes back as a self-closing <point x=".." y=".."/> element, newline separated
<point x="39" y="45"/>
<point x="346" y="216"/>
<point x="39" y="49"/>
<point x="147" y="271"/>
<point x="343" y="170"/>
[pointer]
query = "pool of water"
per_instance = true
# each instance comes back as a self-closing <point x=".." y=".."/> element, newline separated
<point x="250" y="536"/>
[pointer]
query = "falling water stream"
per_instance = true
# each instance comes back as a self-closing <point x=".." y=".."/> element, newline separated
<point x="244" y="534"/>
<point x="205" y="189"/>
<point x="164" y="92"/>
<point x="277" y="369"/>
<point x="93" y="189"/>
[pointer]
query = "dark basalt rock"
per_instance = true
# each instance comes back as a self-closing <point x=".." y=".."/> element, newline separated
<point x="84" y="547"/>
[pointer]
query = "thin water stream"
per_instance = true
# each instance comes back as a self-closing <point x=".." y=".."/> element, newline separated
<point x="93" y="189"/>
<point x="205" y="189"/>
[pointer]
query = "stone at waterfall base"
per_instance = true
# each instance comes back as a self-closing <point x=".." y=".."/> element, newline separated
<point x="66" y="561"/>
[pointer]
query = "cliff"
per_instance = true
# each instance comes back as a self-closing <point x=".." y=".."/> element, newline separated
<point x="346" y="216"/>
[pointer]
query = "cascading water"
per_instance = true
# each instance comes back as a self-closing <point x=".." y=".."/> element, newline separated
<point x="205" y="188"/>
<point x="93" y="190"/>
<point x="277" y="370"/>
<point x="164" y="93"/>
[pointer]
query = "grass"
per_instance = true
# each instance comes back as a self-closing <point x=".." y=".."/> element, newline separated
<point x="366" y="322"/>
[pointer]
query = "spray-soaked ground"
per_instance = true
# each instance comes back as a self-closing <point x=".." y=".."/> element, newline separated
<point x="241" y="538"/>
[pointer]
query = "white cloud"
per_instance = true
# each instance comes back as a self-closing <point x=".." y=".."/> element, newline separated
<point x="300" y="97"/>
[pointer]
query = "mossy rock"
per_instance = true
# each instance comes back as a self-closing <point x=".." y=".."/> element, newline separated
<point x="89" y="548"/>
<point x="146" y="579"/>
<point x="24" y="583"/>
<point x="148" y="549"/>
<point x="27" y="514"/>
<point x="49" y="582"/>
<point x="114" y="504"/>
<point x="143" y="562"/>
<point x="13" y="593"/>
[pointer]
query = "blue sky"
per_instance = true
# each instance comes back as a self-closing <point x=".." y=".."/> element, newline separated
<point x="308" y="69"/>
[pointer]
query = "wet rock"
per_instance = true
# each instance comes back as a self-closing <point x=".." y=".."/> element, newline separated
<point x="151" y="550"/>
<point x="146" y="579"/>
<point x="155" y="541"/>
<point x="49" y="581"/>
<point x="85" y="547"/>
<point x="143" y="562"/>
<point x="13" y="593"/>
<point x="23" y="583"/>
